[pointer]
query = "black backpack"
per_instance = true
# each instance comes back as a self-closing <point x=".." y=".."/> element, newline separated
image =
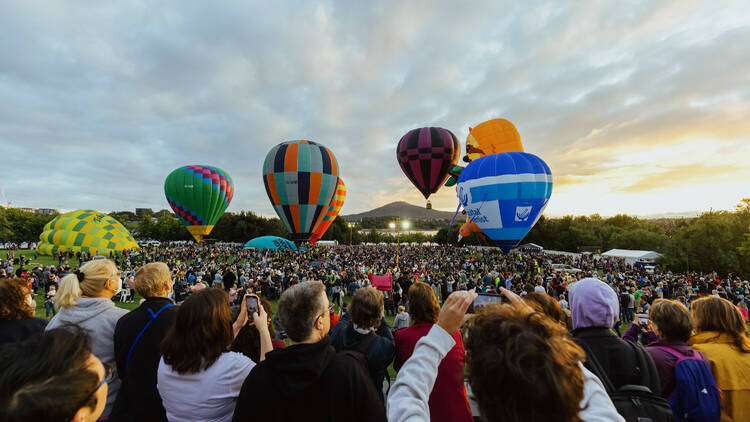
<point x="636" y="403"/>
<point x="359" y="352"/>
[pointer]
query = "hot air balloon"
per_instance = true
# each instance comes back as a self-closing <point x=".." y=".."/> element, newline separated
<point x="300" y="179"/>
<point x="492" y="137"/>
<point x="333" y="210"/>
<point x="85" y="231"/>
<point x="199" y="195"/>
<point x="467" y="229"/>
<point x="425" y="156"/>
<point x="505" y="194"/>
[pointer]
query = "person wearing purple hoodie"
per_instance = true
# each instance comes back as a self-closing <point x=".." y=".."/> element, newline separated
<point x="670" y="325"/>
<point x="594" y="309"/>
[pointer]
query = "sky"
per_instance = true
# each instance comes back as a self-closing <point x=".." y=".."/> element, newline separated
<point x="638" y="107"/>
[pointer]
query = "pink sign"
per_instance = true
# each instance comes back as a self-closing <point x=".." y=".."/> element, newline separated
<point x="381" y="282"/>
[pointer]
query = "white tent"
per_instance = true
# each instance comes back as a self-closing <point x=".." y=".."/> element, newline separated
<point x="632" y="256"/>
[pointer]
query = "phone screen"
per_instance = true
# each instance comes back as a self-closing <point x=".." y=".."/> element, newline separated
<point x="484" y="299"/>
<point x="252" y="305"/>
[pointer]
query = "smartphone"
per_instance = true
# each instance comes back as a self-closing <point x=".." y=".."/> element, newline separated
<point x="252" y="305"/>
<point x="643" y="320"/>
<point x="484" y="299"/>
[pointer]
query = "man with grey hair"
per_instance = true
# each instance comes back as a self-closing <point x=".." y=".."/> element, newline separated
<point x="308" y="380"/>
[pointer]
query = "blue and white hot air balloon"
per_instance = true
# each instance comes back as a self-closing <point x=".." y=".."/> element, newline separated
<point x="505" y="194"/>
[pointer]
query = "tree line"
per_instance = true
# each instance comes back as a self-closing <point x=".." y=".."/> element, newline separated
<point x="714" y="241"/>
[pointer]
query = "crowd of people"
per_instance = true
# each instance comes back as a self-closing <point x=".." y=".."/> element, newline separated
<point x="205" y="343"/>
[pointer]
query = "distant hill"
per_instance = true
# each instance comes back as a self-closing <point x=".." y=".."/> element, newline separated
<point x="401" y="209"/>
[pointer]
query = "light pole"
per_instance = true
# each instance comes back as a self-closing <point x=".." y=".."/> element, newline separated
<point x="351" y="225"/>
<point x="397" y="225"/>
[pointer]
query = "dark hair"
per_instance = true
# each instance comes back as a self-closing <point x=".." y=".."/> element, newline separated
<point x="202" y="331"/>
<point x="47" y="377"/>
<point x="716" y="314"/>
<point x="545" y="304"/>
<point x="672" y="319"/>
<point x="13" y="306"/>
<point x="366" y="308"/>
<point x="423" y="305"/>
<point x="517" y="358"/>
<point x="299" y="307"/>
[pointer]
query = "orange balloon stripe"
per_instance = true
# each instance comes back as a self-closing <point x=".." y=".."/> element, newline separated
<point x="290" y="158"/>
<point x="316" y="180"/>
<point x="334" y="164"/>
<point x="271" y="180"/>
<point x="294" y="210"/>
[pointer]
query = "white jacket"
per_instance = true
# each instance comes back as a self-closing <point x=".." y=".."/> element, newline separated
<point x="409" y="395"/>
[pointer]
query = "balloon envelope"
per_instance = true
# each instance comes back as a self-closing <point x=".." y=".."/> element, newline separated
<point x="199" y="195"/>
<point x="333" y="210"/>
<point x="300" y="179"/>
<point x="505" y="194"/>
<point x="425" y="156"/>
<point x="85" y="231"/>
<point x="492" y="137"/>
<point x="271" y="242"/>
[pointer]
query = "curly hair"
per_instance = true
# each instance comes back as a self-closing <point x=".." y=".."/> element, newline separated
<point x="366" y="308"/>
<point x="423" y="305"/>
<point x="13" y="306"/>
<point x="517" y="358"/>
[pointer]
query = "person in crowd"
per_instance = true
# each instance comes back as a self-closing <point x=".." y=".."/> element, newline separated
<point x="52" y="376"/>
<point x="670" y="325"/>
<point x="742" y="306"/>
<point x="247" y="341"/>
<point x="448" y="400"/>
<point x="521" y="366"/>
<point x="401" y="320"/>
<point x="17" y="307"/>
<point x="308" y="381"/>
<point x="563" y="303"/>
<point x="368" y="333"/>
<point x="49" y="302"/>
<point x="136" y="339"/>
<point x="594" y="309"/>
<point x="198" y="377"/>
<point x="721" y="335"/>
<point x="85" y="299"/>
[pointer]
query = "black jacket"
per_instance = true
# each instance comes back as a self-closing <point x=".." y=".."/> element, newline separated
<point x="13" y="331"/>
<point x="617" y="358"/>
<point x="138" y="399"/>
<point x="308" y="382"/>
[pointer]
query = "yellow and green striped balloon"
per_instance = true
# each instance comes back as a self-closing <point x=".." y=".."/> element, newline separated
<point x="85" y="231"/>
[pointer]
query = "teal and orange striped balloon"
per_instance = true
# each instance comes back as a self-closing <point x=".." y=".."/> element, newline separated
<point x="300" y="179"/>
<point x="333" y="210"/>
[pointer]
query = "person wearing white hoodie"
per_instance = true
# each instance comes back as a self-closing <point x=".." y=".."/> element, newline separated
<point x="85" y="299"/>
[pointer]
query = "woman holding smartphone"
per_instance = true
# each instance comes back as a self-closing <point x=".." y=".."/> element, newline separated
<point x="198" y="377"/>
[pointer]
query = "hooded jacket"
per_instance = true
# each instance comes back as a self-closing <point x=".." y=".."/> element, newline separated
<point x="731" y="368"/>
<point x="594" y="308"/>
<point x="308" y="382"/>
<point x="98" y="316"/>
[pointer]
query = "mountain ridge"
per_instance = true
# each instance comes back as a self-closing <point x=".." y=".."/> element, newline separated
<point x="401" y="209"/>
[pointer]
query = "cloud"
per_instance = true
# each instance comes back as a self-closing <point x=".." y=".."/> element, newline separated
<point x="102" y="101"/>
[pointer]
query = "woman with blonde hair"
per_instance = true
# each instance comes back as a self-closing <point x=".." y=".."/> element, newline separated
<point x="85" y="299"/>
<point x="721" y="335"/>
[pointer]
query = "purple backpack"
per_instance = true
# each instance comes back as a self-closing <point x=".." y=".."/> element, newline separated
<point x="696" y="397"/>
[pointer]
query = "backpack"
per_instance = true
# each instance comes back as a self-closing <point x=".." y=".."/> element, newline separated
<point x="696" y="396"/>
<point x="636" y="403"/>
<point x="359" y="352"/>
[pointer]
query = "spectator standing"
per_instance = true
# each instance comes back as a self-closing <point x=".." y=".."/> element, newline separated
<point x="401" y="320"/>
<point x="49" y="302"/>
<point x="365" y="330"/>
<point x="136" y="339"/>
<point x="721" y="335"/>
<point x="447" y="400"/>
<point x="17" y="307"/>
<point x="308" y="381"/>
<point x="198" y="378"/>
<point x="85" y="299"/>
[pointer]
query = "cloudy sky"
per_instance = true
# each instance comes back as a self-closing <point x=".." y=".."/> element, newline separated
<point x="637" y="107"/>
